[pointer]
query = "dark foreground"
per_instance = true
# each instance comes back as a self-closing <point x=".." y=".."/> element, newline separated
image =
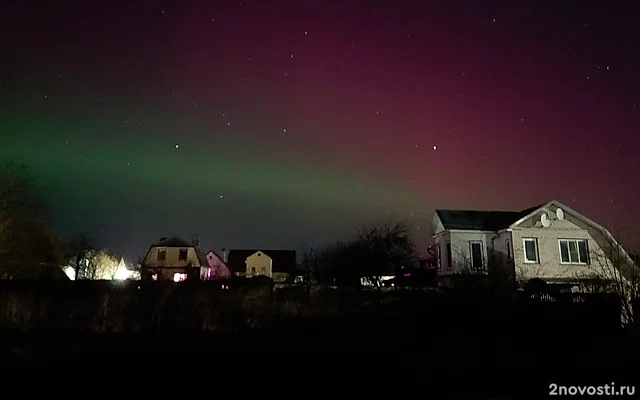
<point x="492" y="364"/>
<point x="533" y="348"/>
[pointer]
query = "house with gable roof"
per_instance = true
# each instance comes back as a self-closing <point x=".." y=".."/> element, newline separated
<point x="218" y="268"/>
<point x="174" y="259"/>
<point x="279" y="265"/>
<point x="551" y="242"/>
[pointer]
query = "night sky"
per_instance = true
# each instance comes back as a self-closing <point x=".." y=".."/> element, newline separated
<point x="273" y="124"/>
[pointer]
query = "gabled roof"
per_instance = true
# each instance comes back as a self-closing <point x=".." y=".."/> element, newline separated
<point x="585" y="220"/>
<point x="216" y="254"/>
<point x="480" y="220"/>
<point x="497" y="220"/>
<point x="283" y="260"/>
<point x="177" y="242"/>
<point x="172" y="242"/>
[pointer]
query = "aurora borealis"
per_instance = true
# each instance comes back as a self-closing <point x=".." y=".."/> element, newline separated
<point x="273" y="124"/>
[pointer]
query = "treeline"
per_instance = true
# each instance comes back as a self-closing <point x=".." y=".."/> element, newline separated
<point x="29" y="247"/>
<point x="383" y="249"/>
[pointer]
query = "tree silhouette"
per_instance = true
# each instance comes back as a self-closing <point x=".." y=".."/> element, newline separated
<point x="27" y="244"/>
<point x="375" y="251"/>
<point x="80" y="248"/>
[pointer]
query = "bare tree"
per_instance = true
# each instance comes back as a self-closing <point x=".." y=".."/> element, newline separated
<point x="80" y="248"/>
<point x="375" y="251"/>
<point x="612" y="270"/>
<point x="100" y="265"/>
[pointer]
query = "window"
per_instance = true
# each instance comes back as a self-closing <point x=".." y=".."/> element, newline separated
<point x="475" y="248"/>
<point x="253" y="270"/>
<point x="449" y="261"/>
<point x="439" y="256"/>
<point x="574" y="251"/>
<point x="177" y="277"/>
<point x="530" y="250"/>
<point x="507" y="249"/>
<point x="264" y="270"/>
<point x="182" y="256"/>
<point x="162" y="254"/>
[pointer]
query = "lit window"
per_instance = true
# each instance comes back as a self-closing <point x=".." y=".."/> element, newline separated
<point x="177" y="277"/>
<point x="574" y="251"/>
<point x="530" y="250"/>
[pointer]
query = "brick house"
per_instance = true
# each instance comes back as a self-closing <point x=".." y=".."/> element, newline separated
<point x="551" y="242"/>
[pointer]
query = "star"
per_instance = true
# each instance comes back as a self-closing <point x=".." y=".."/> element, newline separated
<point x="435" y="148"/>
<point x="284" y="131"/>
<point x="177" y="146"/>
<point x="221" y="196"/>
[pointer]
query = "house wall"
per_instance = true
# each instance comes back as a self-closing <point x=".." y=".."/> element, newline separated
<point x="218" y="267"/>
<point x="214" y="260"/>
<point x="261" y="262"/>
<point x="502" y="260"/>
<point x="550" y="265"/>
<point x="171" y="259"/>
<point x="461" y="251"/>
<point x="441" y="240"/>
<point x="166" y="273"/>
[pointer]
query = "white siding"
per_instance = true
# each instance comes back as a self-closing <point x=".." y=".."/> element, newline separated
<point x="461" y="250"/>
<point x="500" y="243"/>
<point x="550" y="265"/>
<point x="441" y="240"/>
<point x="171" y="257"/>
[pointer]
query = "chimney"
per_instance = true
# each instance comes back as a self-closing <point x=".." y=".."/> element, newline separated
<point x="224" y="254"/>
<point x="195" y="241"/>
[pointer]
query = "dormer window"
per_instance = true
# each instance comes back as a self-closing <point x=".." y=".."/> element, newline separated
<point x="182" y="255"/>
<point x="162" y="254"/>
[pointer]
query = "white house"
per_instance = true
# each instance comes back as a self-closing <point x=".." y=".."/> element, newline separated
<point x="552" y="242"/>
<point x="174" y="259"/>
<point x="280" y="265"/>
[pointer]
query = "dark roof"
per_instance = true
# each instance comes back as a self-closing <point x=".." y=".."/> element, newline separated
<point x="172" y="242"/>
<point x="481" y="220"/>
<point x="283" y="260"/>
